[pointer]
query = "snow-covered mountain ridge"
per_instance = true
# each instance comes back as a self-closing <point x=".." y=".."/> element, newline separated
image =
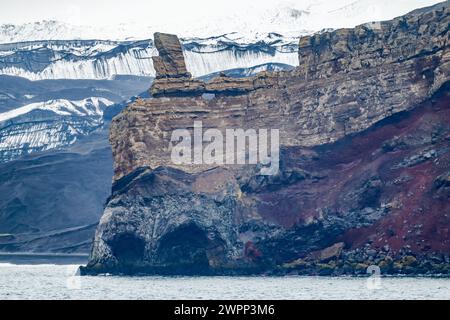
<point x="99" y="59"/>
<point x="48" y="125"/>
<point x="253" y="21"/>
<point x="87" y="107"/>
<point x="56" y="50"/>
<point x="37" y="116"/>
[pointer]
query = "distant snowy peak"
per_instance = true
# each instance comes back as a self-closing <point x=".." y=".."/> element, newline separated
<point x="255" y="23"/>
<point x="56" y="30"/>
<point x="93" y="106"/>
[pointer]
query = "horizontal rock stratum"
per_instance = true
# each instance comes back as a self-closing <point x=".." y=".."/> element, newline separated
<point x="364" y="127"/>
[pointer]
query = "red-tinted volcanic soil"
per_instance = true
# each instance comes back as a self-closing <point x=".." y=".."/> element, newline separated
<point x="394" y="166"/>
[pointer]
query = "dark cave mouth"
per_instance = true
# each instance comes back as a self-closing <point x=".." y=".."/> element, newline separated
<point x="128" y="248"/>
<point x="187" y="248"/>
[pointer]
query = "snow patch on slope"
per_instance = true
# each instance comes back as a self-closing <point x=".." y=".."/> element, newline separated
<point x="86" y="107"/>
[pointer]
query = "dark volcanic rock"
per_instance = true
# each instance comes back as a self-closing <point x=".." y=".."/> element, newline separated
<point x="355" y="121"/>
<point x="442" y="186"/>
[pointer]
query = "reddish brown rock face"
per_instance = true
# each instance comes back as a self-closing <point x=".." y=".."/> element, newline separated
<point x="414" y="162"/>
<point x="364" y="131"/>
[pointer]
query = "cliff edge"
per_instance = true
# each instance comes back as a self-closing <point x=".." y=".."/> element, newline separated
<point x="363" y="172"/>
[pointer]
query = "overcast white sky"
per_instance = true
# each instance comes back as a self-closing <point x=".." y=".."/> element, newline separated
<point x="148" y="12"/>
<point x="105" y="12"/>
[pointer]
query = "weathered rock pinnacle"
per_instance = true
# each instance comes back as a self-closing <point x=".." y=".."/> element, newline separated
<point x="170" y="62"/>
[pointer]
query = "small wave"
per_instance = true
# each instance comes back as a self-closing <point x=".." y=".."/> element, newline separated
<point x="7" y="265"/>
<point x="50" y="265"/>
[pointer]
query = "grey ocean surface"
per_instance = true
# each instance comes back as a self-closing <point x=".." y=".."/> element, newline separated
<point x="58" y="282"/>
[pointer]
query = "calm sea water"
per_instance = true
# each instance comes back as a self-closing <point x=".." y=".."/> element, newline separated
<point x="60" y="282"/>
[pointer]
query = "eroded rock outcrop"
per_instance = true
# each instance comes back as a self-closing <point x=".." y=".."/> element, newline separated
<point x="170" y="62"/>
<point x="360" y="105"/>
<point x="172" y="78"/>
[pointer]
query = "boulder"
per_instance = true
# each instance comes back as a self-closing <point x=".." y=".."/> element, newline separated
<point x="332" y="252"/>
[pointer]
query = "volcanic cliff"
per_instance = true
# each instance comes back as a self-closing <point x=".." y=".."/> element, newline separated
<point x="364" y="175"/>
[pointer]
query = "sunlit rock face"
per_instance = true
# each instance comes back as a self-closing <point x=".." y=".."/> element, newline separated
<point x="364" y="159"/>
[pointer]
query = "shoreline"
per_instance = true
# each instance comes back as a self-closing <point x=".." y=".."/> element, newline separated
<point x="32" y="258"/>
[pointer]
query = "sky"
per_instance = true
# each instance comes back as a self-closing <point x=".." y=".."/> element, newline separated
<point x="150" y="12"/>
<point x="103" y="12"/>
